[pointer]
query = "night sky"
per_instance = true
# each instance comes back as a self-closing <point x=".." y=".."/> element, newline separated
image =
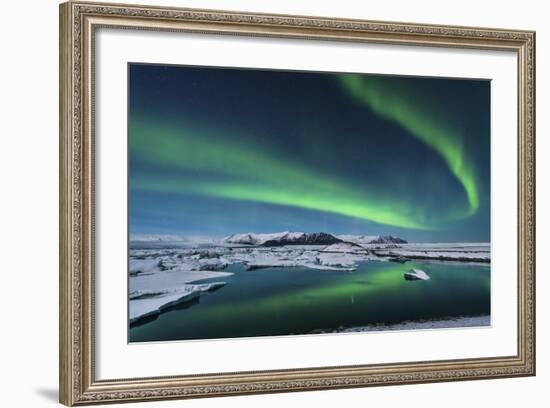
<point x="216" y="151"/>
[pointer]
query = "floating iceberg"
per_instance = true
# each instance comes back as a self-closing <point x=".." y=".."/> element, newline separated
<point x="346" y="247"/>
<point x="150" y="294"/>
<point x="416" y="274"/>
<point x="148" y="306"/>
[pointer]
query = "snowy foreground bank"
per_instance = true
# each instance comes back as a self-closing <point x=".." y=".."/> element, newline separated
<point x="164" y="274"/>
<point x="457" y="322"/>
<point x="152" y="293"/>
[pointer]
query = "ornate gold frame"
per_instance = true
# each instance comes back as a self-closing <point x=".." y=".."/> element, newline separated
<point x="78" y="21"/>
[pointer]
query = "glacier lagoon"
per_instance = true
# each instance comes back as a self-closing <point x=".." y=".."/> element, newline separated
<point x="296" y="299"/>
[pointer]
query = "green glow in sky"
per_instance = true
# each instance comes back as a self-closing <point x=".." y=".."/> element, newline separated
<point x="246" y="172"/>
<point x="418" y="116"/>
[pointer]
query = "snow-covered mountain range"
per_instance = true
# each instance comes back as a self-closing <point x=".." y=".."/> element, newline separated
<point x="307" y="238"/>
<point x="372" y="239"/>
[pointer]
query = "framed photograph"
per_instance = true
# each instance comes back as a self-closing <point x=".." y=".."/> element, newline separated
<point x="256" y="203"/>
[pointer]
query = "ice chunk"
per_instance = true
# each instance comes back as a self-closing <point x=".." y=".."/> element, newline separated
<point x="143" y="266"/>
<point x="416" y="274"/>
<point x="148" y="306"/>
<point x="346" y="247"/>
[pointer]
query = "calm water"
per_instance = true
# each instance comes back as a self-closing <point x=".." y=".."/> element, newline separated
<point x="282" y="301"/>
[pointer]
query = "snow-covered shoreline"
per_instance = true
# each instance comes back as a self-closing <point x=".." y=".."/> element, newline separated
<point x="448" y="323"/>
<point x="462" y="252"/>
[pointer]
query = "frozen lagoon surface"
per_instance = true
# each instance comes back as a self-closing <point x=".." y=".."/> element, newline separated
<point x="179" y="292"/>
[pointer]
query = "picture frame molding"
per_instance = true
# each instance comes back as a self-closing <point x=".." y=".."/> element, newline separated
<point x="78" y="22"/>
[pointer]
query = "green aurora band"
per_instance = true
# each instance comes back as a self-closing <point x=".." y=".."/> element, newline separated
<point x="389" y="99"/>
<point x="246" y="172"/>
<point x="209" y="162"/>
<point x="252" y="175"/>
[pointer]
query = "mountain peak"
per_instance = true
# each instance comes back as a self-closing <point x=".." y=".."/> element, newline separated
<point x="283" y="238"/>
<point x="308" y="238"/>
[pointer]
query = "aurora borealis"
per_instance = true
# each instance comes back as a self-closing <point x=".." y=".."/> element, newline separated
<point x="420" y="118"/>
<point x="215" y="151"/>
